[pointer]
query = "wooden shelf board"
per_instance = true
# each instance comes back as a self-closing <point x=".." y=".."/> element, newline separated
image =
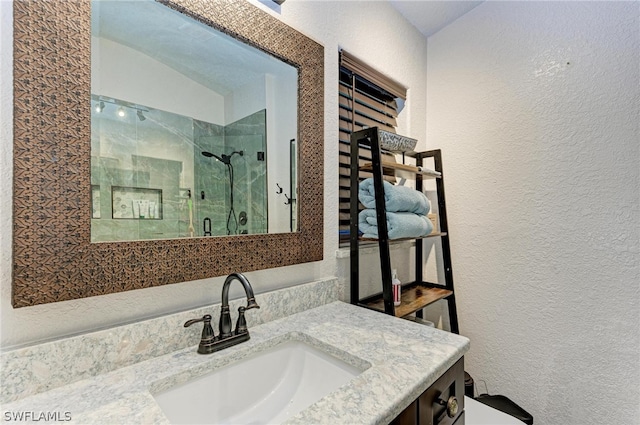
<point x="414" y="297"/>
<point x="430" y="235"/>
<point x="399" y="170"/>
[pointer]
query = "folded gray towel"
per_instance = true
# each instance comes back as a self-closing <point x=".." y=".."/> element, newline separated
<point x="399" y="224"/>
<point x="397" y="198"/>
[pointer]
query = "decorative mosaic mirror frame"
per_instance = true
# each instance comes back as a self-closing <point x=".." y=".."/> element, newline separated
<point x="53" y="258"/>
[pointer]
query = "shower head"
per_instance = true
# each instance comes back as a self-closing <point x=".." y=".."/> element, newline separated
<point x="141" y="116"/>
<point x="213" y="155"/>
<point x="226" y="159"/>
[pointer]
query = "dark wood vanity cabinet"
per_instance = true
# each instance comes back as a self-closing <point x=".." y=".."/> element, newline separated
<point x="441" y="404"/>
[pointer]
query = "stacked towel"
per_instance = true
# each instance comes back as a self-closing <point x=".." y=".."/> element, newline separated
<point x="406" y="211"/>
<point x="396" y="198"/>
<point x="399" y="224"/>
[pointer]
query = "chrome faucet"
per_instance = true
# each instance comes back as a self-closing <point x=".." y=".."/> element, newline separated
<point x="209" y="343"/>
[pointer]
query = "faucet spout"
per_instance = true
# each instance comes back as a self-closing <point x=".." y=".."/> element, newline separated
<point x="251" y="300"/>
<point x="225" y="316"/>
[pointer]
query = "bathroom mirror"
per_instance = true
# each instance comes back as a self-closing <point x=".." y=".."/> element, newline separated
<point x="190" y="128"/>
<point x="55" y="193"/>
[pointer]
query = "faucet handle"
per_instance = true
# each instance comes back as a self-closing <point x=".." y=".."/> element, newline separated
<point x="241" y="324"/>
<point x="206" y="319"/>
<point x="208" y="335"/>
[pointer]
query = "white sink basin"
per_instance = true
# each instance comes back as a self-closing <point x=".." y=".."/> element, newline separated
<point x="266" y="388"/>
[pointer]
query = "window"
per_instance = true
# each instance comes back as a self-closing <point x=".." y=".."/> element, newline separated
<point x="367" y="99"/>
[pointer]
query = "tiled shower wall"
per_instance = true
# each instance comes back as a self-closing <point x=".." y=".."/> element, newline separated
<point x="211" y="181"/>
<point x="157" y="152"/>
<point x="250" y="135"/>
<point x="250" y="175"/>
<point x="128" y="152"/>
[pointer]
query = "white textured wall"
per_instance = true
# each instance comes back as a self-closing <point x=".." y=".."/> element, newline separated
<point x="394" y="47"/>
<point x="536" y="106"/>
<point x="282" y="126"/>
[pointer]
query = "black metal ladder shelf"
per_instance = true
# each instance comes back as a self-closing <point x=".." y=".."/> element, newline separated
<point x="417" y="294"/>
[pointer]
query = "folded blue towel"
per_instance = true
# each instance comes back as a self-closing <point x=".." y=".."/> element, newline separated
<point x="397" y="198"/>
<point x="399" y="224"/>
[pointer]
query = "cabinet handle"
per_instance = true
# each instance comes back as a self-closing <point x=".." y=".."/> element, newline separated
<point x="451" y="404"/>
<point x="452" y="407"/>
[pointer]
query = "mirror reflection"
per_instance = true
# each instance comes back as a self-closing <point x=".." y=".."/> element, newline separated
<point x="193" y="133"/>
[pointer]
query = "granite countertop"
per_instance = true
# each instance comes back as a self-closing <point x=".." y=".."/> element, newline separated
<point x="400" y="360"/>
